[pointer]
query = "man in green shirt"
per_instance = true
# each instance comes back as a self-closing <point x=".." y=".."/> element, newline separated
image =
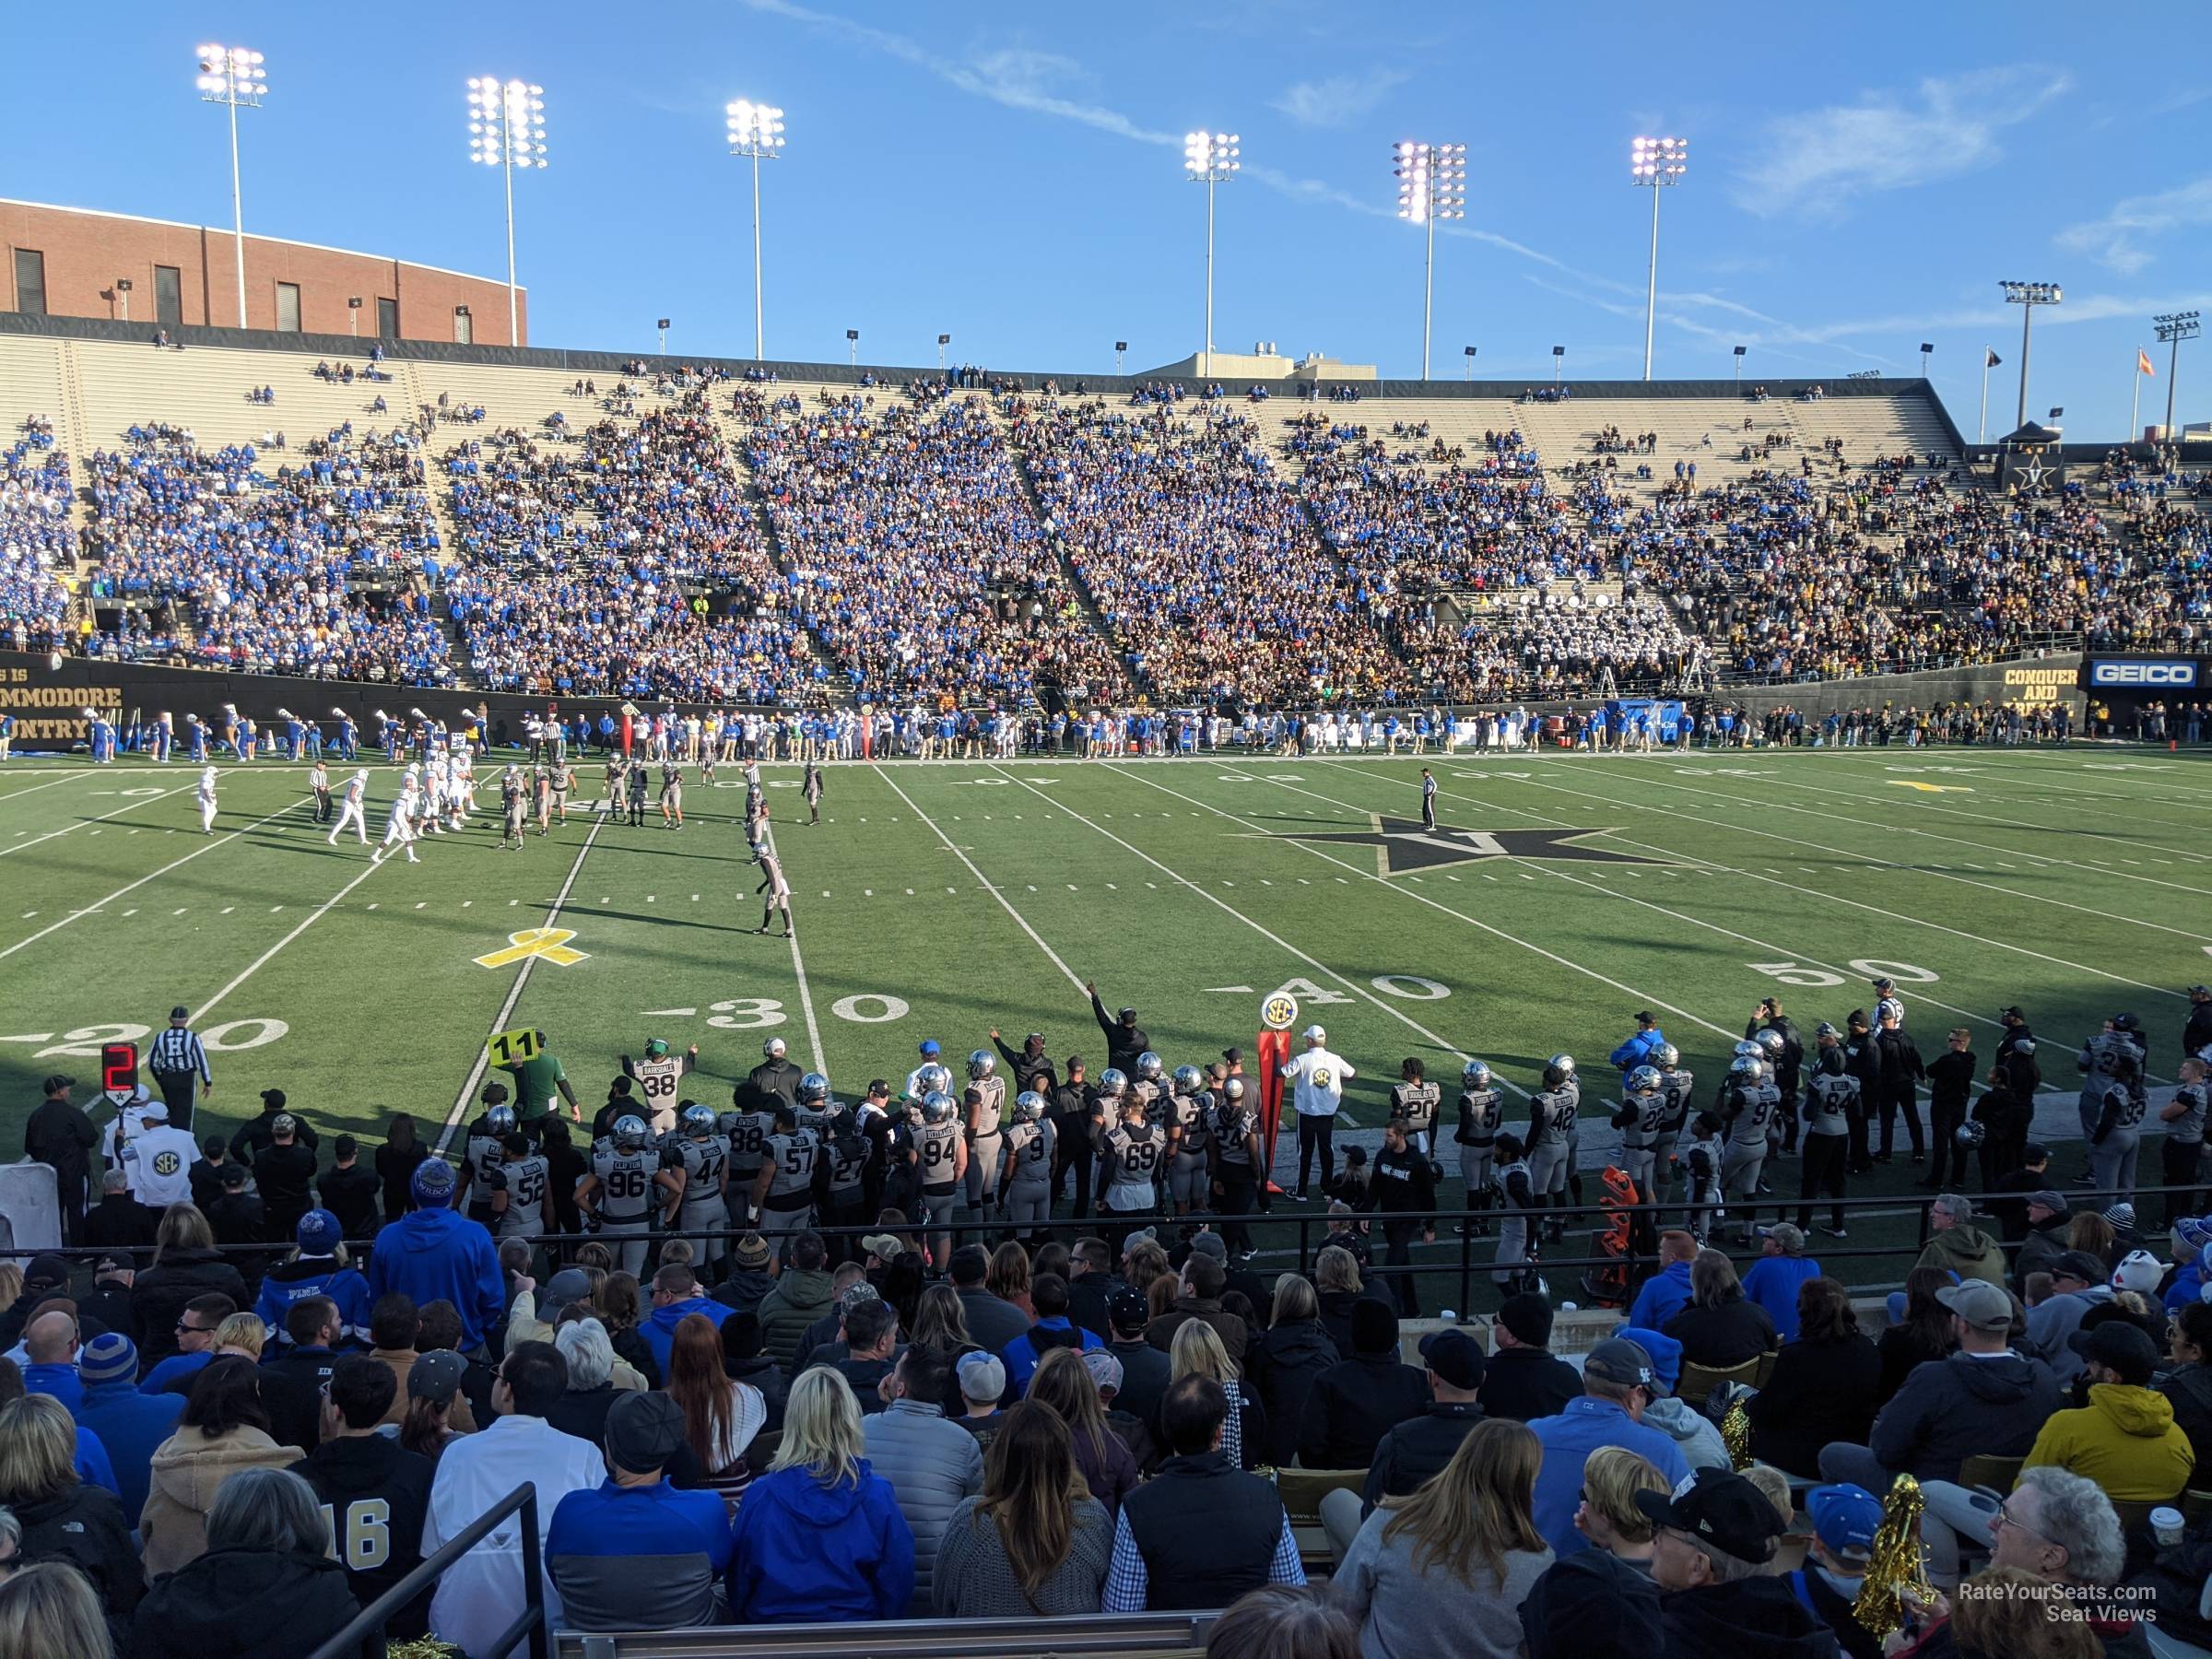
<point x="536" y="1080"/>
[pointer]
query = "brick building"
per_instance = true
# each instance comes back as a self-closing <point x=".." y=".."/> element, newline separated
<point x="72" y="262"/>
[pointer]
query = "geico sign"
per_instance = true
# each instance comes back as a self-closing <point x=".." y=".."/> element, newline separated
<point x="2143" y="674"/>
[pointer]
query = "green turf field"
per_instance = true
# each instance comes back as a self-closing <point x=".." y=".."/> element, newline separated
<point x="940" y="900"/>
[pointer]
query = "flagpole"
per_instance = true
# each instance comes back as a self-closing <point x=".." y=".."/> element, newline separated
<point x="1982" y="426"/>
<point x="2135" y="402"/>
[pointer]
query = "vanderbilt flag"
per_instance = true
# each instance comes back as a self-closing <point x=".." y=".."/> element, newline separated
<point x="2143" y="362"/>
<point x="1994" y="360"/>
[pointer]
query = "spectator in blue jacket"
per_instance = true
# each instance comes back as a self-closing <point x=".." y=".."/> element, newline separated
<point x="1619" y="1380"/>
<point x="50" y="1342"/>
<point x="1048" y="1295"/>
<point x="131" y="1425"/>
<point x="1637" y="1049"/>
<point x="430" y="1254"/>
<point x="634" y="1553"/>
<point x="676" y="1295"/>
<point x="1666" y="1293"/>
<point x="1779" y="1274"/>
<point x="819" y="1538"/>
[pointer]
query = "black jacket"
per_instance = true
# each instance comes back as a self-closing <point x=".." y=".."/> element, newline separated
<point x="1819" y="1392"/>
<point x="350" y="1195"/>
<point x="761" y="1373"/>
<point x="1526" y="1384"/>
<point x="59" y="1135"/>
<point x="242" y="1603"/>
<point x="1738" y="1330"/>
<point x="1205" y="1532"/>
<point x="376" y="1470"/>
<point x="1353" y="1404"/>
<point x="1401" y="1182"/>
<point x="257" y="1133"/>
<point x="1968" y="1405"/>
<point x="119" y="1223"/>
<point x="159" y="1296"/>
<point x="1087" y="1296"/>
<point x="776" y="1080"/>
<point x="1282" y="1364"/>
<point x="2040" y="1246"/>
<point x="1902" y="1063"/>
<point x="1414" y="1450"/>
<point x="84" y="1526"/>
<point x="394" y="1170"/>
<point x="2190" y="1389"/>
<point x="291" y="1392"/>
<point x="1336" y="1315"/>
<point x="1752" y="1619"/>
<point x="583" y="1412"/>
<point x="1028" y="1068"/>
<point x="1123" y="1043"/>
<point x="1144" y="1376"/>
<point x="1789" y="1070"/>
<point x="1591" y="1605"/>
<point x="992" y="1321"/>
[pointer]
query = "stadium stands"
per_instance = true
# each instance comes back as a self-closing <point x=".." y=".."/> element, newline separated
<point x="684" y="533"/>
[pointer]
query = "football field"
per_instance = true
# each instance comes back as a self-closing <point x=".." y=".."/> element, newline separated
<point x="1558" y="896"/>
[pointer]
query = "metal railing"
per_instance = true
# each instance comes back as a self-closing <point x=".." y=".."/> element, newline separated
<point x="1293" y="1242"/>
<point x="530" y="1623"/>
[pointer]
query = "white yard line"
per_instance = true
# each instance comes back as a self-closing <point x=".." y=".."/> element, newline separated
<point x="2053" y="776"/>
<point x="34" y="789"/>
<point x="1498" y="933"/>
<point x="1311" y="962"/>
<point x="798" y="969"/>
<point x="269" y="954"/>
<point x="1021" y="921"/>
<point x="514" y="994"/>
<point x="1859" y="858"/>
<point x="103" y="818"/>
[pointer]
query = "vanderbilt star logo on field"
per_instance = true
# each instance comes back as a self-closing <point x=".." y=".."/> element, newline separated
<point x="1404" y="845"/>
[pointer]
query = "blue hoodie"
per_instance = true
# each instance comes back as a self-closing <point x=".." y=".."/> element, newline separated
<point x="296" y="1280"/>
<point x="1022" y="1358"/>
<point x="61" y="1382"/>
<point x="1773" y="1281"/>
<point x="132" y="1427"/>
<point x="1664" y="1295"/>
<point x="1637" y="1049"/>
<point x="660" y="1326"/>
<point x="804" y="1553"/>
<point x="434" y="1256"/>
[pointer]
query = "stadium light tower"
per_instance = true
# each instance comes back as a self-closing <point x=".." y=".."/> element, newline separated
<point x="1470" y="353"/>
<point x="2173" y="328"/>
<point x="1432" y="185"/>
<point x="2028" y="296"/>
<point x="1211" y="158"/>
<point x="232" y="77"/>
<point x="755" y="131"/>
<point x="507" y="130"/>
<point x="1658" y="163"/>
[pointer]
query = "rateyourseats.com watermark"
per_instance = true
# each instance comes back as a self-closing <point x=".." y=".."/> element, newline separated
<point x="2070" y="1604"/>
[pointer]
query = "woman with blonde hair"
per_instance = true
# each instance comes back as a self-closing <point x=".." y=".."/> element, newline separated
<point x="1609" y="1517"/>
<point x="48" y="1611"/>
<point x="1147" y="1260"/>
<point x="1007" y="1278"/>
<point x="819" y="1538"/>
<point x="224" y="1429"/>
<point x="1035" y="1542"/>
<point x="59" y="1516"/>
<point x="721" y="1418"/>
<point x="1103" y="1457"/>
<point x="1284" y="1362"/>
<point x="1197" y="1347"/>
<point x="242" y="1335"/>
<point x="186" y="1264"/>
<point x="1338" y="1285"/>
<point x="1442" y="1573"/>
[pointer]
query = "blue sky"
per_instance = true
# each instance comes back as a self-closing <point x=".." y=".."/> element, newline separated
<point x="1013" y="176"/>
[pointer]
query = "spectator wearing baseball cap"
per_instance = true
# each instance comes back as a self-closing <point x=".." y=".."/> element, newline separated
<point x="981" y="1380"/>
<point x="2044" y="1242"/>
<point x="257" y="1134"/>
<point x="1145" y="1372"/>
<point x="1716" y="1535"/>
<point x="2077" y="1288"/>
<point x="635" y="1553"/>
<point x="1775" y="1279"/>
<point x="1522" y="1378"/>
<point x="1617" y="1383"/>
<point x="1984" y="1399"/>
<point x="1421" y="1446"/>
<point x="1836" y="1556"/>
<point x="2192" y="1237"/>
<point x="2125" y="1439"/>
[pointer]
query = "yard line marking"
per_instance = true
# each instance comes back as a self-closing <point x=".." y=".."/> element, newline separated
<point x="114" y="812"/>
<point x="228" y="908"/>
<point x="269" y="954"/>
<point x="515" y="994"/>
<point x="1021" y="921"/>
<point x="142" y="880"/>
<point x="1222" y="904"/>
<point x="66" y="778"/>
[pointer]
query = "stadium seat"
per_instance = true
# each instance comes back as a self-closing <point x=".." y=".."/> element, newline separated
<point x="1995" y="1473"/>
<point x="1698" y="1381"/>
<point x="1089" y="1636"/>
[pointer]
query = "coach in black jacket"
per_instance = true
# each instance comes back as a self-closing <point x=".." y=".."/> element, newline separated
<point x="1863" y="1060"/>
<point x="1125" y="1040"/>
<point x="1902" y="1070"/>
<point x="1033" y="1067"/>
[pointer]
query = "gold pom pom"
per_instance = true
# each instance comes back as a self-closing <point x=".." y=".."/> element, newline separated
<point x="427" y="1647"/>
<point x="1895" y="1565"/>
<point x="1736" y="1434"/>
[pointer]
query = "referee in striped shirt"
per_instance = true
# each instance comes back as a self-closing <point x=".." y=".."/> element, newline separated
<point x="178" y="1061"/>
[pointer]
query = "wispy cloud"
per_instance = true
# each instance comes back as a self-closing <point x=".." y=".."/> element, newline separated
<point x="1339" y="100"/>
<point x="2116" y="240"/>
<point x="1036" y="81"/>
<point x="1945" y="127"/>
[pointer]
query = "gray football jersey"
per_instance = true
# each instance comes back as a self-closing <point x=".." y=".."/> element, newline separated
<point x="524" y="1180"/>
<point x="793" y="1157"/>
<point x="936" y="1142"/>
<point x="705" y="1160"/>
<point x="1030" y="1153"/>
<point x="626" y="1179"/>
<point x="991" y="1110"/>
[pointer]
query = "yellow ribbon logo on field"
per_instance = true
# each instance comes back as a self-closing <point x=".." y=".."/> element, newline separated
<point x="551" y="943"/>
<point x="1930" y="788"/>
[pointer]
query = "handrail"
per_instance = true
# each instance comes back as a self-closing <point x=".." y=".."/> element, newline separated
<point x="529" y="1621"/>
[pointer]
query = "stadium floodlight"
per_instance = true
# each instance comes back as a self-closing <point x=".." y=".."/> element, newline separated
<point x="1559" y="362"/>
<point x="123" y="292"/>
<point x="662" y="324"/>
<point x="755" y="131"/>
<point x="507" y="130"/>
<point x="1928" y="348"/>
<point x="1432" y="185"/>
<point x="943" y="340"/>
<point x="1119" y="348"/>
<point x="1211" y="160"/>
<point x="852" y="347"/>
<point x="1739" y="363"/>
<point x="1470" y="354"/>
<point x="232" y="77"/>
<point x="1658" y="163"/>
<point x="2173" y="328"/>
<point x="2028" y="296"/>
